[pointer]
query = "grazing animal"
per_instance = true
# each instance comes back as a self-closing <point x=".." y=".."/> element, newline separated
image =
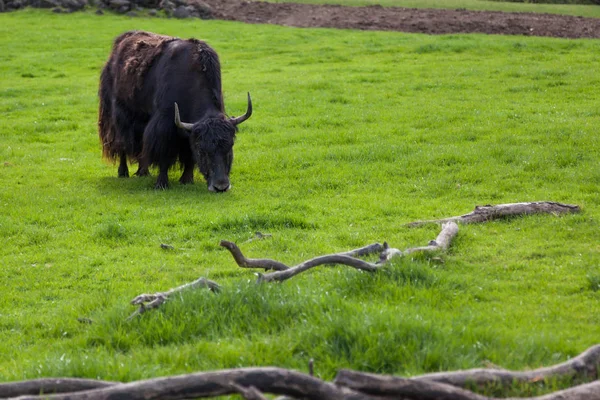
<point x="148" y="86"/>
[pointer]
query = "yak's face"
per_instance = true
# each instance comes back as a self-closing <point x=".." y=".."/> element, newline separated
<point x="212" y="145"/>
<point x="211" y="140"/>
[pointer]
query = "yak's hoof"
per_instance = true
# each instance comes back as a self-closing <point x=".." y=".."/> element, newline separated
<point x="186" y="180"/>
<point x="142" y="172"/>
<point x="123" y="174"/>
<point x="161" y="185"/>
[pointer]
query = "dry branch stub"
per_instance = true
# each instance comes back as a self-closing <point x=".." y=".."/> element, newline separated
<point x="155" y="300"/>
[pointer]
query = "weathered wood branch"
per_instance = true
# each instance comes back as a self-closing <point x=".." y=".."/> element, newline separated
<point x="50" y="385"/>
<point x="217" y="383"/>
<point x="489" y="212"/>
<point x="395" y="387"/>
<point x="422" y="389"/>
<point x="150" y="301"/>
<point x="442" y="242"/>
<point x="244" y="262"/>
<point x="582" y="367"/>
<point x="330" y="259"/>
<point x="253" y="383"/>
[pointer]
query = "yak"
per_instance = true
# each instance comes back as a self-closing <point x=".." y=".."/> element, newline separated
<point x="149" y="85"/>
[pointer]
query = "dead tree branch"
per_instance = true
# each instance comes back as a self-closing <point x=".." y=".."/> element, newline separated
<point x="218" y="383"/>
<point x="244" y="262"/>
<point x="422" y="389"/>
<point x="489" y="212"/>
<point x="253" y="383"/>
<point x="150" y="301"/>
<point x="442" y="242"/>
<point x="584" y="366"/>
<point x="394" y="387"/>
<point x="50" y="385"/>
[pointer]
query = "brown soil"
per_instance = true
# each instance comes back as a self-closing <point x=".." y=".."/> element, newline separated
<point x="406" y="19"/>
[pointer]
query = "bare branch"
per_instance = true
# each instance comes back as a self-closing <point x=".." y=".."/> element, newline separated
<point x="391" y="386"/>
<point x="244" y="262"/>
<point x="50" y="385"/>
<point x="365" y="251"/>
<point x="489" y="212"/>
<point x="150" y="301"/>
<point x="394" y="387"/>
<point x="283" y="272"/>
<point x="357" y="263"/>
<point x="217" y="383"/>
<point x="437" y="385"/>
<point x="251" y="383"/>
<point x="584" y="366"/>
<point x="441" y="242"/>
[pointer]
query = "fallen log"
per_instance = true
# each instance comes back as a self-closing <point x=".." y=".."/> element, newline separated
<point x="218" y="383"/>
<point x="254" y="383"/>
<point x="489" y="212"/>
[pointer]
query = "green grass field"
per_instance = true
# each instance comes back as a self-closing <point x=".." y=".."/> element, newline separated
<point x="478" y="5"/>
<point x="354" y="134"/>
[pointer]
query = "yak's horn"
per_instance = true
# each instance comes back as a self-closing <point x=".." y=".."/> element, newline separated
<point x="182" y="125"/>
<point x="242" y="118"/>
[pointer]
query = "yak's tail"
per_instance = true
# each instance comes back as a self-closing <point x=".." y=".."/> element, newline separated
<point x="105" y="126"/>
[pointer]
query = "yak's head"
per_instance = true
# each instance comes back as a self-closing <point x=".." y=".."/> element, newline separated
<point x="211" y="140"/>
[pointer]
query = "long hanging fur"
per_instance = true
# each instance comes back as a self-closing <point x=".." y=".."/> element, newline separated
<point x="132" y="56"/>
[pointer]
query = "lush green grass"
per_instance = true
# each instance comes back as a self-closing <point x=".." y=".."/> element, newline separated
<point x="354" y="134"/>
<point x="479" y="5"/>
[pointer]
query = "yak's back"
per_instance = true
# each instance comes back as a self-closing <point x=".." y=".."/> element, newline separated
<point x="135" y="52"/>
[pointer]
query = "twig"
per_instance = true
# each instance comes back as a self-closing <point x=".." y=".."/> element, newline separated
<point x="489" y="212"/>
<point x="259" y="236"/>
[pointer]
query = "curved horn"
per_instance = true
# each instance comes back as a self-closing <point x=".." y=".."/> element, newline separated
<point x="242" y="118"/>
<point x="182" y="125"/>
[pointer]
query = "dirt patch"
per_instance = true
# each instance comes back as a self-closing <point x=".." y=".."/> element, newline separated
<point x="429" y="21"/>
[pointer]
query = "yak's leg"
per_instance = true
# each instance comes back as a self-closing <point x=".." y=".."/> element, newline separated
<point x="186" y="158"/>
<point x="123" y="170"/>
<point x="122" y="124"/>
<point x="139" y="128"/>
<point x="142" y="168"/>
<point x="162" y="182"/>
<point x="158" y="148"/>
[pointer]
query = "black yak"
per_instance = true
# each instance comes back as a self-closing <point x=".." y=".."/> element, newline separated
<point x="148" y="86"/>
